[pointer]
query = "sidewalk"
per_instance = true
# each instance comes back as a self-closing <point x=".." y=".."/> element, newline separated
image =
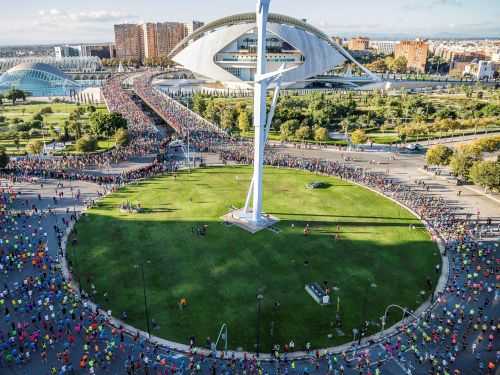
<point x="450" y="179"/>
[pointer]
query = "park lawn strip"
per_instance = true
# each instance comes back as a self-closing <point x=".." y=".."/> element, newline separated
<point x="61" y="112"/>
<point x="221" y="273"/>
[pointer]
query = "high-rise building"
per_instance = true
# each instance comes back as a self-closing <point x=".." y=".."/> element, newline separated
<point x="359" y="43"/>
<point x="192" y="26"/>
<point x="169" y="34"/>
<point x="415" y="52"/>
<point x="150" y="40"/>
<point x="129" y="41"/>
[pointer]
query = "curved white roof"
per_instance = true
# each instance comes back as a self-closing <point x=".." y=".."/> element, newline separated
<point x="41" y="67"/>
<point x="249" y="18"/>
<point x="198" y="55"/>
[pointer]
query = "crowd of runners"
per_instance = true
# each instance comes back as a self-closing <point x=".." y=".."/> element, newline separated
<point x="49" y="327"/>
<point x="145" y="139"/>
<point x="184" y="121"/>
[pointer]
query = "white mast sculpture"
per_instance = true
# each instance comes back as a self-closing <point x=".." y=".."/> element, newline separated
<point x="252" y="218"/>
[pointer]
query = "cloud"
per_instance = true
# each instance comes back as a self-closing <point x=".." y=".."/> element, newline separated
<point x="61" y="18"/>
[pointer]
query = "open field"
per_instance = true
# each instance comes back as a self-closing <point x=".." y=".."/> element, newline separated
<point x="376" y="261"/>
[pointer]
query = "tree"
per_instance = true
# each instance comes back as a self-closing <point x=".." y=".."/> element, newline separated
<point x="86" y="144"/>
<point x="303" y="133"/>
<point x="76" y="129"/>
<point x="389" y="62"/>
<point x="211" y="112"/>
<point x="121" y="137"/>
<point x="359" y="137"/>
<point x="243" y="121"/>
<point x="321" y="134"/>
<point x="399" y="65"/>
<point x="288" y="128"/>
<point x="199" y="104"/>
<point x="106" y="124"/>
<point x="46" y="110"/>
<point x="320" y="117"/>
<point x="490" y="144"/>
<point x="34" y="147"/>
<point x="486" y="174"/>
<point x="461" y="163"/>
<point x="378" y="66"/>
<point x="15" y="94"/>
<point x="4" y="158"/>
<point x="227" y="119"/>
<point x="438" y="155"/>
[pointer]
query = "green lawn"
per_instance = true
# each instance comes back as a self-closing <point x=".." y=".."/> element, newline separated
<point x="25" y="112"/>
<point x="12" y="149"/>
<point x="221" y="274"/>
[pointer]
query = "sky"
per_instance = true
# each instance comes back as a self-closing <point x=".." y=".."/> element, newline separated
<point x="77" y="21"/>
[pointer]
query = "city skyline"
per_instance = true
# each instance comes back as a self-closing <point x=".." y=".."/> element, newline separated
<point x="56" y="22"/>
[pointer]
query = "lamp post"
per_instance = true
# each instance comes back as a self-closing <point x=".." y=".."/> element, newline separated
<point x="260" y="297"/>
<point x="403" y="309"/>
<point x="146" y="310"/>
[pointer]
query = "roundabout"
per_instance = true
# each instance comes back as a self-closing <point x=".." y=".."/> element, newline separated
<point x="200" y="272"/>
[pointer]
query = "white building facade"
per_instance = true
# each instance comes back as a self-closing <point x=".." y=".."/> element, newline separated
<point x="225" y="50"/>
<point x="384" y="47"/>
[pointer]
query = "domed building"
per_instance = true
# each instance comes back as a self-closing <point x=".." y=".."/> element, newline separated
<point x="38" y="79"/>
<point x="225" y="50"/>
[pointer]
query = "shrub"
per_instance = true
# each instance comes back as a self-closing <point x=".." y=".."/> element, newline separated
<point x="38" y="117"/>
<point x="359" y="137"/>
<point x="4" y="158"/>
<point x="321" y="135"/>
<point x="36" y="124"/>
<point x="486" y="174"/>
<point x="35" y="133"/>
<point x="86" y="144"/>
<point x="121" y="137"/>
<point x="304" y="132"/>
<point x="34" y="147"/>
<point x="22" y="127"/>
<point x="438" y="155"/>
<point x="46" y="110"/>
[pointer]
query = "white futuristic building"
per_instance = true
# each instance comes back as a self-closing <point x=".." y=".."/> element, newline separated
<point x="225" y="50"/>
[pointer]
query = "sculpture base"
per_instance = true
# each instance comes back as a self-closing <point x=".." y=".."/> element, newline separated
<point x="244" y="220"/>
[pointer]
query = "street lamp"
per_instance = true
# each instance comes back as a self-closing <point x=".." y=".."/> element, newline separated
<point x="260" y="297"/>
<point x="146" y="310"/>
<point x="404" y="310"/>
